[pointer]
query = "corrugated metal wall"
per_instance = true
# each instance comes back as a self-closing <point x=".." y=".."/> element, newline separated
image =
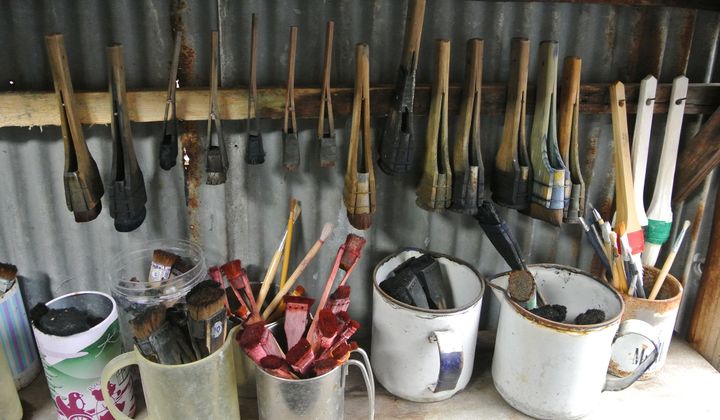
<point x="245" y="217"/>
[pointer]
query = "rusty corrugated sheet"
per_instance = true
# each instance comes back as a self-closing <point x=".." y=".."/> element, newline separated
<point x="245" y="218"/>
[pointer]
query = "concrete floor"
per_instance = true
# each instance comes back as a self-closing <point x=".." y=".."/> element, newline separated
<point x="686" y="388"/>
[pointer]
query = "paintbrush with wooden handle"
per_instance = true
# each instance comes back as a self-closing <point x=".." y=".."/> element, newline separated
<point x="396" y="144"/>
<point x="81" y="178"/>
<point x="292" y="217"/>
<point x="660" y="211"/>
<point x="568" y="132"/>
<point x="668" y="262"/>
<point x="216" y="163"/>
<point x="254" y="152"/>
<point x="169" y="143"/>
<point x="641" y="142"/>
<point x="359" y="189"/>
<point x="328" y="146"/>
<point x="291" y="146"/>
<point x="468" y="171"/>
<point x="548" y="187"/>
<point x="435" y="188"/>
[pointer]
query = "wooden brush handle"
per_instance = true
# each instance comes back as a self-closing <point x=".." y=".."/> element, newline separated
<point x="172" y="79"/>
<point x="214" y="53"/>
<point x="469" y="107"/>
<point x="290" y="92"/>
<point x="270" y="274"/>
<point x="506" y="158"/>
<point x="118" y="97"/>
<point x="253" y="68"/>
<point x="626" y="219"/>
<point x="326" y="97"/>
<point x="288" y="242"/>
<point x="569" y="87"/>
<point x="413" y="34"/>
<point x="641" y="142"/>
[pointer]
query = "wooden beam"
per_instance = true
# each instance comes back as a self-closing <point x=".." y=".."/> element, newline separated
<point x="704" y="333"/>
<point x="684" y="4"/>
<point x="24" y="109"/>
<point x="697" y="159"/>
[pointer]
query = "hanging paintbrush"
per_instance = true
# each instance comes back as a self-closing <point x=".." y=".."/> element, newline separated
<point x="292" y="217"/>
<point x="217" y="162"/>
<point x="396" y="145"/>
<point x="512" y="163"/>
<point x="435" y="189"/>
<point x="291" y="147"/>
<point x="81" y="178"/>
<point x="660" y="211"/>
<point x="359" y="191"/>
<point x="127" y="186"/>
<point x="169" y="144"/>
<point x="468" y="172"/>
<point x="568" y="132"/>
<point x="641" y="143"/>
<point x="626" y="222"/>
<point x="254" y="153"/>
<point x="327" y="230"/>
<point x="328" y="146"/>
<point x="548" y="186"/>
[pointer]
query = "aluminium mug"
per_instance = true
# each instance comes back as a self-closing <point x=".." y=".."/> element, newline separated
<point x="421" y="354"/>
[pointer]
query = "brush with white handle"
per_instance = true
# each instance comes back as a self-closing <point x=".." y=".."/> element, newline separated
<point x="660" y="210"/>
<point x="641" y="142"/>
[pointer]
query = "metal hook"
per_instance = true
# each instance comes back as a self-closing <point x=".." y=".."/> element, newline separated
<point x="677" y="102"/>
<point x="649" y="101"/>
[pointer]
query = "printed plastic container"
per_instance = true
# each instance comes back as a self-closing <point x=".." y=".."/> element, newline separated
<point x="133" y="297"/>
<point x="16" y="338"/>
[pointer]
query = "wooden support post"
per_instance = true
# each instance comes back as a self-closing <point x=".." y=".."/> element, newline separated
<point x="704" y="333"/>
<point x="698" y="158"/>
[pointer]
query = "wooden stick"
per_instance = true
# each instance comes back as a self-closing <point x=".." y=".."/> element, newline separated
<point x="568" y="133"/>
<point x="327" y="229"/>
<point x="641" y="142"/>
<point x="668" y="262"/>
<point x="434" y="191"/>
<point x="660" y="210"/>
<point x="292" y="217"/>
<point x="270" y="273"/>
<point x="325" y="96"/>
<point x="626" y="220"/>
<point x="289" y="121"/>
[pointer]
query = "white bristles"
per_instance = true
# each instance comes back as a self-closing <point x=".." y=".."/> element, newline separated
<point x="327" y="230"/>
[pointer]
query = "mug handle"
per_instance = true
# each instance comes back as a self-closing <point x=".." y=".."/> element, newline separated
<point x="645" y="330"/>
<point x="119" y="362"/>
<point x="369" y="380"/>
<point x="450" y="349"/>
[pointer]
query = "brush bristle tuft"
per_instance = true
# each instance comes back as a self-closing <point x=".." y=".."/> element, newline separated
<point x="296" y="211"/>
<point x="554" y="217"/>
<point x="8" y="271"/>
<point x="327" y="230"/>
<point x="148" y="322"/>
<point x="360" y="221"/>
<point x="164" y="258"/>
<point x="205" y="300"/>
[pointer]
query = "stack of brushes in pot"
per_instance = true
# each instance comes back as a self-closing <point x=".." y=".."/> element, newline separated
<point x="313" y="345"/>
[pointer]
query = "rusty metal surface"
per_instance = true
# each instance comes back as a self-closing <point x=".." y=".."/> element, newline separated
<point x="245" y="217"/>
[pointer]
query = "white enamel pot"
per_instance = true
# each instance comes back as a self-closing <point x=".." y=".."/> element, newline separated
<point x="420" y="354"/>
<point x="555" y="370"/>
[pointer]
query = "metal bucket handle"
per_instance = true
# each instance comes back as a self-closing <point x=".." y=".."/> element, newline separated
<point x="450" y="349"/>
<point x="645" y="330"/>
<point x="367" y="374"/>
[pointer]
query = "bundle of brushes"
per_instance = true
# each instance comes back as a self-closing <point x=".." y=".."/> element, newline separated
<point x="313" y="345"/>
<point x="614" y="252"/>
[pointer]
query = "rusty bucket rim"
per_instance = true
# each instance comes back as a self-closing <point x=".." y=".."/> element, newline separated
<point x="561" y="325"/>
<point x="672" y="300"/>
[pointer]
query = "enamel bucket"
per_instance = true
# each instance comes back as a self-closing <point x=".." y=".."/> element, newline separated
<point x="555" y="370"/>
<point x="421" y="354"/>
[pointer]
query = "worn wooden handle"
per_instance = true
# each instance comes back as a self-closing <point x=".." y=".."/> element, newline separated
<point x="507" y="157"/>
<point x="326" y="97"/>
<point x="253" y="61"/>
<point x="413" y="33"/>
<point x="569" y="88"/>
<point x="290" y="92"/>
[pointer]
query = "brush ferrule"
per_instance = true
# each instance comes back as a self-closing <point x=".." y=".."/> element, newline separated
<point x="658" y="231"/>
<point x="208" y="334"/>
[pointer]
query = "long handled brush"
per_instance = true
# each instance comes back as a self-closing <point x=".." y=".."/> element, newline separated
<point x="127" y="186"/>
<point x="641" y="142"/>
<point x="468" y="172"/>
<point x="216" y="164"/>
<point x="328" y="146"/>
<point x="292" y="217"/>
<point x="660" y="211"/>
<point x="359" y="191"/>
<point x="548" y="187"/>
<point x="512" y="163"/>
<point x="169" y="144"/>
<point x="327" y="230"/>
<point x="668" y="262"/>
<point x="291" y="146"/>
<point x="396" y="145"/>
<point x="255" y="152"/>
<point x="568" y="132"/>
<point x="81" y="178"/>
<point x="435" y="189"/>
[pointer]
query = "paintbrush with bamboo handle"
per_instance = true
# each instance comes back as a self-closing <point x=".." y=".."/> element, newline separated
<point x="359" y="189"/>
<point x="291" y="146"/>
<point x="81" y="178"/>
<point x="327" y="230"/>
<point x="660" y="211"/>
<point x="254" y="151"/>
<point x="434" y="191"/>
<point x="626" y="222"/>
<point x="641" y="142"/>
<point x="216" y="164"/>
<point x="292" y="217"/>
<point x="468" y="172"/>
<point x="568" y="132"/>
<point x="328" y="146"/>
<point x="275" y="260"/>
<point x="512" y="163"/>
<point x="668" y="262"/>
<point x="548" y="186"/>
<point x="396" y="145"/>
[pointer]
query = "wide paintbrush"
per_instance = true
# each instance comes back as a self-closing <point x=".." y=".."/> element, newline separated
<point x="169" y="143"/>
<point x="641" y="142"/>
<point x="328" y="146"/>
<point x="255" y="151"/>
<point x="291" y="146"/>
<point x="216" y="163"/>
<point x="435" y="189"/>
<point x="568" y="132"/>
